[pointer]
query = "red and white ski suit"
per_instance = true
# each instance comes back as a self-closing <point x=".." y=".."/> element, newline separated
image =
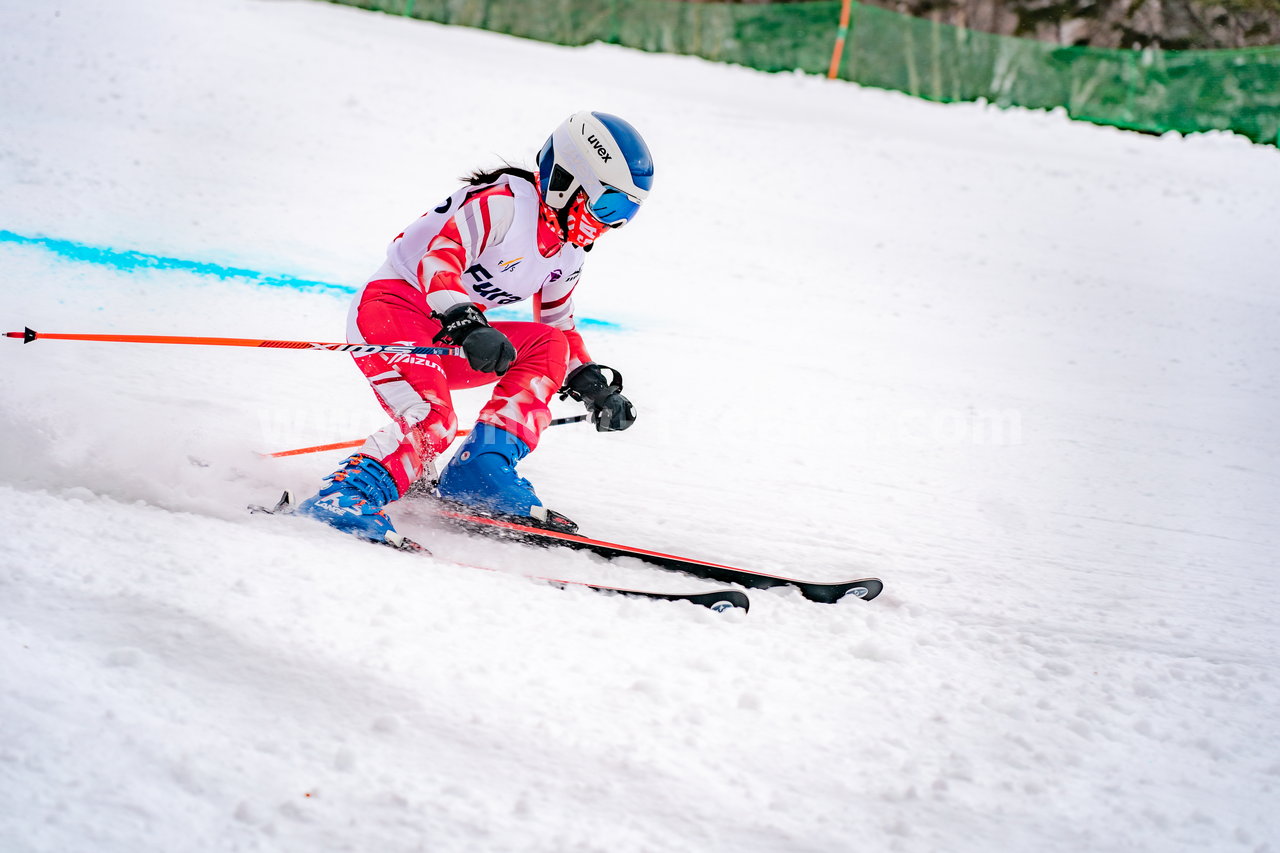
<point x="489" y="245"/>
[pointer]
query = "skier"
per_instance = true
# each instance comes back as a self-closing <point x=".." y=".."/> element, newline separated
<point x="508" y="235"/>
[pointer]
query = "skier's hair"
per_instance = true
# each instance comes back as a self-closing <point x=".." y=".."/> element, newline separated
<point x="488" y="176"/>
<point x="480" y="177"/>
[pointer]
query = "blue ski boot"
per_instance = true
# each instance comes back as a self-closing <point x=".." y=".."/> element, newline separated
<point x="482" y="477"/>
<point x="354" y="498"/>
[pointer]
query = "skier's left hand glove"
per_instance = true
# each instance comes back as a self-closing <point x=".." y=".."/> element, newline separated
<point x="609" y="409"/>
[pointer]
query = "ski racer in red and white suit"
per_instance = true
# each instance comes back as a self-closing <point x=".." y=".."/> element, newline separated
<point x="488" y="245"/>
<point x="506" y="237"/>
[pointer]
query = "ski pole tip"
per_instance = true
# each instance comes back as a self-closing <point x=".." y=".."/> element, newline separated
<point x="28" y="335"/>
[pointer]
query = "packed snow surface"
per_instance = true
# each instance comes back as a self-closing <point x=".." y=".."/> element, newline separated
<point x="1023" y="369"/>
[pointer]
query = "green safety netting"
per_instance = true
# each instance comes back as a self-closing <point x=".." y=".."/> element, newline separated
<point x="1149" y="90"/>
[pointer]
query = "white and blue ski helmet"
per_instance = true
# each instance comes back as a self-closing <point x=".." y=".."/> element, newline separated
<point x="603" y="155"/>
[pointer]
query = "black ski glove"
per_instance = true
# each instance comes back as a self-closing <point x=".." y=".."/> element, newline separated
<point x="486" y="349"/>
<point x="609" y="409"/>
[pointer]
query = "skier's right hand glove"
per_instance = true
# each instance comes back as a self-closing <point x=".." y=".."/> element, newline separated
<point x="486" y="349"/>
<point x="609" y="409"/>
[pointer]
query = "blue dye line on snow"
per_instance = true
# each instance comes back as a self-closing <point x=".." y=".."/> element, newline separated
<point x="130" y="261"/>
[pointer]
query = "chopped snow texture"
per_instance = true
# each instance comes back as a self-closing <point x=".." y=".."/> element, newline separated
<point x="1023" y="369"/>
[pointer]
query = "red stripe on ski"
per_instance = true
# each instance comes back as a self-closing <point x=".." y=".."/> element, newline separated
<point x="573" y="537"/>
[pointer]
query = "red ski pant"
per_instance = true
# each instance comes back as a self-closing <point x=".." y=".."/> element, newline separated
<point x="414" y="389"/>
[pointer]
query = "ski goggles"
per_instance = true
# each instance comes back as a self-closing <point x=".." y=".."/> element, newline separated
<point x="614" y="207"/>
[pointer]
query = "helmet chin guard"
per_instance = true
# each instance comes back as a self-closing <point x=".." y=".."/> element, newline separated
<point x="603" y="156"/>
<point x="583" y="227"/>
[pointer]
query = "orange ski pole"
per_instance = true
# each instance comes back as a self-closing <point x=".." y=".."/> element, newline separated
<point x="342" y="445"/>
<point x="29" y="335"/>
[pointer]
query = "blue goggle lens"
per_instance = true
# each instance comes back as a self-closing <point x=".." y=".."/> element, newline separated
<point x="614" y="207"/>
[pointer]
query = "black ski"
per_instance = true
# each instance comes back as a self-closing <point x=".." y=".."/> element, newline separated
<point x="718" y="600"/>
<point x="508" y="528"/>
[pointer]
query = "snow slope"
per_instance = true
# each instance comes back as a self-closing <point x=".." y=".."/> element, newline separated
<point x="1021" y="368"/>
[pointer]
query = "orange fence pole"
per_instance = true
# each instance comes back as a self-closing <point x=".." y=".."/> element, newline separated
<point x="842" y="33"/>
